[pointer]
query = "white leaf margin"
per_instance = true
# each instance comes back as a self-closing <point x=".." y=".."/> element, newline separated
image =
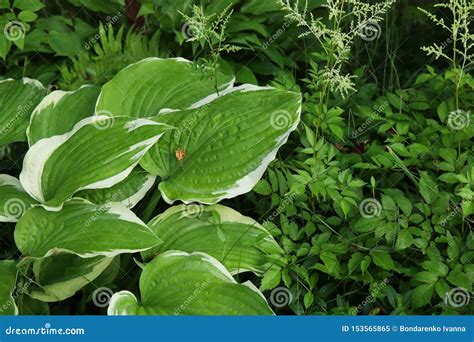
<point x="7" y="180"/>
<point x="27" y="80"/>
<point x="114" y="208"/>
<point x="248" y="182"/>
<point x="226" y="214"/>
<point x="52" y="99"/>
<point x="12" y="298"/>
<point x="113" y="310"/>
<point x="223" y="88"/>
<point x="46" y="292"/>
<point x="134" y="199"/>
<point x="38" y="155"/>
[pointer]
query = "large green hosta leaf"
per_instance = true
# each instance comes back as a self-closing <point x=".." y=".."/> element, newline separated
<point x="228" y="144"/>
<point x="237" y="241"/>
<point x="178" y="283"/>
<point x="144" y="88"/>
<point x="107" y="277"/>
<point x="28" y="306"/>
<point x="8" y="274"/>
<point x="98" y="153"/>
<point x="59" y="277"/>
<point x="14" y="200"/>
<point x="129" y="192"/>
<point x="18" y="98"/>
<point x="58" y="112"/>
<point x="83" y="229"/>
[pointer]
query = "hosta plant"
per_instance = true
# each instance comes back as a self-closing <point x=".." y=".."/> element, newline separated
<point x="160" y="125"/>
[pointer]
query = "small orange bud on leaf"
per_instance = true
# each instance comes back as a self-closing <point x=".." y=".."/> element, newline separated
<point x="180" y="154"/>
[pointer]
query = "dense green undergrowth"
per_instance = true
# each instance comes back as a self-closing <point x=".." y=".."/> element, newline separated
<point x="369" y="202"/>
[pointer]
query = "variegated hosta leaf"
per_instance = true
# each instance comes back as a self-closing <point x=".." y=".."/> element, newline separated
<point x="8" y="274"/>
<point x="98" y="153"/>
<point x="144" y="88"/>
<point x="129" y="192"/>
<point x="106" y="278"/>
<point x="59" y="277"/>
<point x="222" y="148"/>
<point x="84" y="229"/>
<point x="58" y="112"/>
<point x="237" y="241"/>
<point x="14" y="200"/>
<point x="28" y="306"/>
<point x="178" y="283"/>
<point x="18" y="98"/>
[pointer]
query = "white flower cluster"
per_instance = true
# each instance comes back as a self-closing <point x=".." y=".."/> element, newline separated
<point x="335" y="39"/>
<point x="461" y="39"/>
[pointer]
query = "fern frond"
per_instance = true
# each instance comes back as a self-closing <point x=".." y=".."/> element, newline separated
<point x="107" y="55"/>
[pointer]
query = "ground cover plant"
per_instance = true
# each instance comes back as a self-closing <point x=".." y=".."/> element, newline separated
<point x="236" y="157"/>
